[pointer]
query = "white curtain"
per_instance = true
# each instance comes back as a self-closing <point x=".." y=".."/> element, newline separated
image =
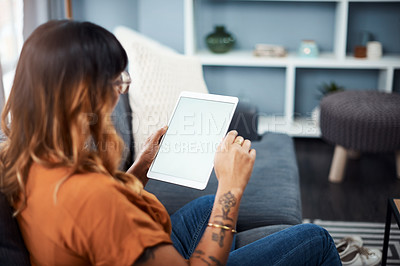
<point x="11" y="39"/>
<point x="2" y="98"/>
<point x="18" y="18"/>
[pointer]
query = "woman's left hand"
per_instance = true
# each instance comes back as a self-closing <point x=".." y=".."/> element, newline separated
<point x="143" y="161"/>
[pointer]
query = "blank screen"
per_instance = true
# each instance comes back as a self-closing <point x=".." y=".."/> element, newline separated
<point x="194" y="133"/>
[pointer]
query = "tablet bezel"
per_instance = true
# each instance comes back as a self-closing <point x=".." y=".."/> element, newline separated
<point x="179" y="180"/>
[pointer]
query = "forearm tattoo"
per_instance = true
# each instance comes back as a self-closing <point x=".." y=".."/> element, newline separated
<point x="227" y="201"/>
<point x="211" y="261"/>
<point x="219" y="237"/>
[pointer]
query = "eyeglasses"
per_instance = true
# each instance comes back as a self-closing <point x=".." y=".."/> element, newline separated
<point x="122" y="83"/>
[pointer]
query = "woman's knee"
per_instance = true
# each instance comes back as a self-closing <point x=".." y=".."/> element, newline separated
<point x="323" y="239"/>
<point x="316" y="230"/>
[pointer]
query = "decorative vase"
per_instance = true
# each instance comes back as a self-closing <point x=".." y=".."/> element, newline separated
<point x="360" y="51"/>
<point x="308" y="49"/>
<point x="220" y="41"/>
<point x="374" y="50"/>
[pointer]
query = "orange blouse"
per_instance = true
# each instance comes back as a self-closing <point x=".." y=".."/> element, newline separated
<point x="93" y="219"/>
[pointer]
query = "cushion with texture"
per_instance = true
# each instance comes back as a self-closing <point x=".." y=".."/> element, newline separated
<point x="159" y="75"/>
<point x="272" y="196"/>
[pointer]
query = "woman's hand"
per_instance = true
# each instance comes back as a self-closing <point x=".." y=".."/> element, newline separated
<point x="234" y="162"/>
<point x="147" y="155"/>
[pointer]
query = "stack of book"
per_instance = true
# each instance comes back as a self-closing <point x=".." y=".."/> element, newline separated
<point x="269" y="50"/>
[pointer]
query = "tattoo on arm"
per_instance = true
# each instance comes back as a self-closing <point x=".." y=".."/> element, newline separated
<point x="198" y="253"/>
<point x="228" y="200"/>
<point x="220" y="236"/>
<point x="211" y="260"/>
<point x="216" y="262"/>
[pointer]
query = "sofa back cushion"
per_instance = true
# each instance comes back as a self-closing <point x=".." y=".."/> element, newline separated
<point x="122" y="119"/>
<point x="159" y="74"/>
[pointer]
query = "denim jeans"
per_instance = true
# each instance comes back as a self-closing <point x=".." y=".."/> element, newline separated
<point x="304" y="244"/>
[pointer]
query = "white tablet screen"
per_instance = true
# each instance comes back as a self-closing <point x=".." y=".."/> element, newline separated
<point x="194" y="133"/>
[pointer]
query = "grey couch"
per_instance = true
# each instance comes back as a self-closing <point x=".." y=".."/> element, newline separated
<point x="272" y="198"/>
<point x="271" y="201"/>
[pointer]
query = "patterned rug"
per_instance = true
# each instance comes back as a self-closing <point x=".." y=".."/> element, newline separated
<point x="371" y="233"/>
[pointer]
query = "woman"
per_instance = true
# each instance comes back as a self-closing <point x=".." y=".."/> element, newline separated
<point x="59" y="170"/>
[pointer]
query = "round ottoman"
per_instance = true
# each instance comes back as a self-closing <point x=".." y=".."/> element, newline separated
<point x="365" y="121"/>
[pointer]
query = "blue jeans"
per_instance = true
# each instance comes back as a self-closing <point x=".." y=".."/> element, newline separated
<point x="304" y="244"/>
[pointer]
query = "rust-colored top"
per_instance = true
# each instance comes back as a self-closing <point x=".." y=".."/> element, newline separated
<point x="95" y="220"/>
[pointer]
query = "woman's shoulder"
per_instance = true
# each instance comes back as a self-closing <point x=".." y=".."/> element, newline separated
<point x="71" y="189"/>
<point x="86" y="192"/>
<point x="93" y="186"/>
<point x="63" y="177"/>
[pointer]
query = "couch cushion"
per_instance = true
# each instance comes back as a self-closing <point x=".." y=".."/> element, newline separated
<point x="272" y="196"/>
<point x="158" y="76"/>
<point x="122" y="119"/>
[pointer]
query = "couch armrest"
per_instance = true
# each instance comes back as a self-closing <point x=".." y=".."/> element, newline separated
<point x="245" y="121"/>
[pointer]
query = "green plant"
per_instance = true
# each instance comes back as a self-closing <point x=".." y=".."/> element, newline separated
<point x="328" y="88"/>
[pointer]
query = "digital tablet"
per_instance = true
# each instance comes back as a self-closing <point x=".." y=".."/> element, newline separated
<point x="197" y="125"/>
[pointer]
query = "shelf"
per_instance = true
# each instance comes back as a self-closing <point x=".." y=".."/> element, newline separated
<point x="240" y="58"/>
<point x="333" y="24"/>
<point x="300" y="127"/>
<point x="318" y="1"/>
<point x="326" y="60"/>
<point x="374" y="1"/>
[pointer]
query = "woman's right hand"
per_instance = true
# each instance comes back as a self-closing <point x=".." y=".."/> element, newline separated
<point x="233" y="165"/>
<point x="234" y="162"/>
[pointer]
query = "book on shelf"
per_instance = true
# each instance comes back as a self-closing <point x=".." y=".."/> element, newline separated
<point x="269" y="50"/>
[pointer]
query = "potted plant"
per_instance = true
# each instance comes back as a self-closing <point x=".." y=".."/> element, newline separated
<point x="327" y="88"/>
<point x="324" y="89"/>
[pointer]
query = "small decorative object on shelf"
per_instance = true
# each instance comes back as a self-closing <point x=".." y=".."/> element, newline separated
<point x="220" y="41"/>
<point x="308" y="49"/>
<point x="327" y="88"/>
<point x="360" y="50"/>
<point x="374" y="50"/>
<point x="269" y="50"/>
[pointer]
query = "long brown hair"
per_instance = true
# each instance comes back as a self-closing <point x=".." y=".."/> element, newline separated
<point x="61" y="100"/>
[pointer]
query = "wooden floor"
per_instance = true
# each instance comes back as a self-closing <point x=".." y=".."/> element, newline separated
<point x="369" y="181"/>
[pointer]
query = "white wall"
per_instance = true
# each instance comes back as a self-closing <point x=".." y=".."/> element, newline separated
<point x="106" y="13"/>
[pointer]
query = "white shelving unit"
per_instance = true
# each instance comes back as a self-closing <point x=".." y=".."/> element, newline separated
<point x="339" y="59"/>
